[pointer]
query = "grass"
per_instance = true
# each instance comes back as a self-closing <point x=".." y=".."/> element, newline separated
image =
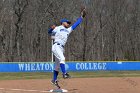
<point x="27" y="75"/>
<point x="106" y="74"/>
<point x="48" y="75"/>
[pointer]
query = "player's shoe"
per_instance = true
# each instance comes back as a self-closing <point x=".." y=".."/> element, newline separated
<point x="66" y="75"/>
<point x="55" y="83"/>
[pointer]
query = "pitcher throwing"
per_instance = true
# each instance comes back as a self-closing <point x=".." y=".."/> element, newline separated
<point x="60" y="35"/>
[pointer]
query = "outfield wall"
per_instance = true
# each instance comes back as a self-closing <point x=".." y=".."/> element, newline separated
<point x="70" y="66"/>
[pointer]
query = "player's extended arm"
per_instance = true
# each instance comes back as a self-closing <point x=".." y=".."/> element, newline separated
<point x="79" y="20"/>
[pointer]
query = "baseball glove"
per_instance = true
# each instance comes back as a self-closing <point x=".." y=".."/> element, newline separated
<point x="83" y="12"/>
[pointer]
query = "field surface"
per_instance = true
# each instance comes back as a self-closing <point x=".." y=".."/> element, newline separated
<point x="83" y="82"/>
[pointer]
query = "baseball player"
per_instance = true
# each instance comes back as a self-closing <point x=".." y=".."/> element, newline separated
<point x="60" y="35"/>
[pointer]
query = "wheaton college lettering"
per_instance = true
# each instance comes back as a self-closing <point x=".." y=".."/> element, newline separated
<point x="70" y="66"/>
<point x="35" y="66"/>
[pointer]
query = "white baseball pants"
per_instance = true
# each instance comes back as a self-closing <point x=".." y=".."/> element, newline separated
<point x="58" y="52"/>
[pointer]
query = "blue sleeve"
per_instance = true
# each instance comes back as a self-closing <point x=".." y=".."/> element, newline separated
<point x="79" y="20"/>
<point x="50" y="31"/>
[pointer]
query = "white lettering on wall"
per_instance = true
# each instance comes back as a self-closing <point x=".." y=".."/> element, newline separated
<point x="21" y="66"/>
<point x="35" y="66"/>
<point x="91" y="66"/>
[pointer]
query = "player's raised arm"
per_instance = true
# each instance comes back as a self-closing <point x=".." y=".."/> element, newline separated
<point x="79" y="20"/>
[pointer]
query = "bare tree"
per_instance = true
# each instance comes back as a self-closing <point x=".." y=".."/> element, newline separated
<point x="110" y="31"/>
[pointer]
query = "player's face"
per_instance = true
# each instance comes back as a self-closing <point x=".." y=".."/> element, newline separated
<point x="65" y="24"/>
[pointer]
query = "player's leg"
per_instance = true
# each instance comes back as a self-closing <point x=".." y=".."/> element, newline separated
<point x="58" y="52"/>
<point x="62" y="65"/>
<point x="56" y="68"/>
<point x="55" y="73"/>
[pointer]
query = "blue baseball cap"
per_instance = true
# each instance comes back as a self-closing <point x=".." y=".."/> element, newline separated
<point x="65" y="20"/>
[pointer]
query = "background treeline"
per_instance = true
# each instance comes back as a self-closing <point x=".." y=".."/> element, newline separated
<point x="111" y="30"/>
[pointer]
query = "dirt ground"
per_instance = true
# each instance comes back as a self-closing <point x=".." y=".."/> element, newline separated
<point x="74" y="85"/>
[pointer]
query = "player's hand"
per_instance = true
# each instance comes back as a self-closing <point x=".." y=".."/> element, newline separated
<point x="83" y="12"/>
<point x="50" y="30"/>
<point x="53" y="26"/>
